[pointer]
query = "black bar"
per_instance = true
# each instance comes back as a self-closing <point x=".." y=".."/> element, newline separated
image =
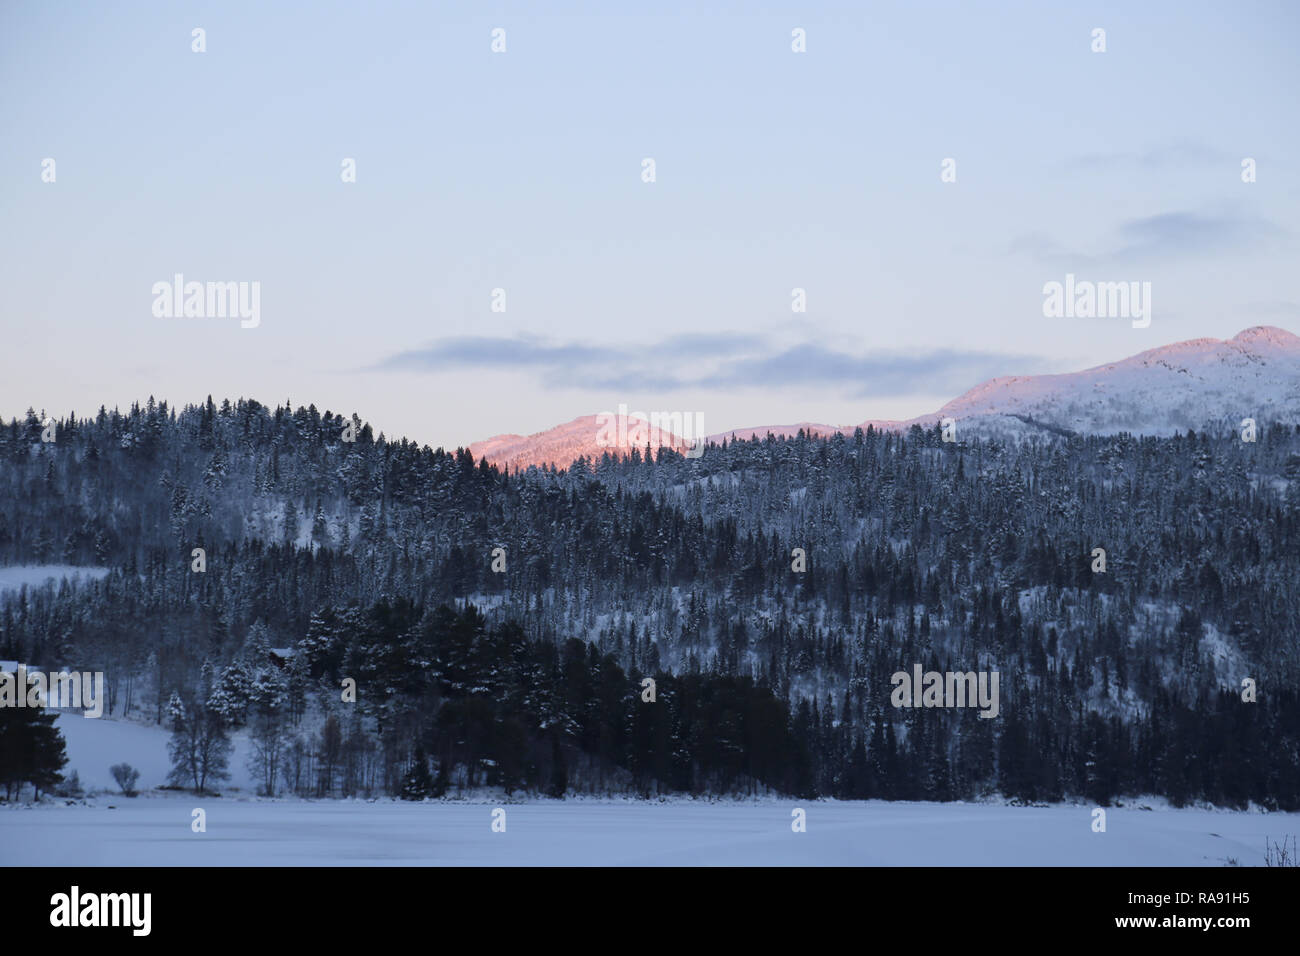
<point x="336" y="905"/>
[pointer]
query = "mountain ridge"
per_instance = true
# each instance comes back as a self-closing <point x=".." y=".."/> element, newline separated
<point x="1183" y="385"/>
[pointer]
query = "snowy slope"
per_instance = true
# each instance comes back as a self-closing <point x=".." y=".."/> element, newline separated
<point x="565" y="443"/>
<point x="15" y="578"/>
<point x="1187" y="385"/>
<point x="1255" y="374"/>
<point x="96" y="744"/>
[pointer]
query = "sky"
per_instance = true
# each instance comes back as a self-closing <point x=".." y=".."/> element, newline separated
<point x="523" y="171"/>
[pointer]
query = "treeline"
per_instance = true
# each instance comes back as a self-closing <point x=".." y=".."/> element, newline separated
<point x="421" y="703"/>
<point x="1045" y="747"/>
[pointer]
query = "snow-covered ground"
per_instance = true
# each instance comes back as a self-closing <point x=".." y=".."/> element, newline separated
<point x="14" y="578"/>
<point x="156" y="830"/>
<point x="96" y="744"/>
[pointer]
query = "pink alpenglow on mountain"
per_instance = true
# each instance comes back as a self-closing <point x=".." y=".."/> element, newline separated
<point x="583" y="437"/>
<point x="1187" y="385"/>
<point x="1174" y="388"/>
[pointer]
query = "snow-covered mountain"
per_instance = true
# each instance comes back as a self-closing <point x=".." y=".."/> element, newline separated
<point x="1218" y="382"/>
<point x="589" y="436"/>
<point x="1186" y="385"/>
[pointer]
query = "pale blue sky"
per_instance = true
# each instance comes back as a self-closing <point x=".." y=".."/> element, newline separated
<point x="522" y="170"/>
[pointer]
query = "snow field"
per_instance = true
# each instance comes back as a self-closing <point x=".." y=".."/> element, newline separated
<point x="156" y="831"/>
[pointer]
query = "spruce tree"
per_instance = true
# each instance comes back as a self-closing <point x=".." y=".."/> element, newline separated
<point x="31" y="750"/>
<point x="418" y="782"/>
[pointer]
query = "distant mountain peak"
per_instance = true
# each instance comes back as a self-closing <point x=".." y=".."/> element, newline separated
<point x="1184" y="385"/>
<point x="1268" y="335"/>
<point x="588" y="436"/>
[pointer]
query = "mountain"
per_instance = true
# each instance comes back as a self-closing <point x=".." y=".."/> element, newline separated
<point x="587" y="437"/>
<point x="1174" y="388"/>
<point x="1187" y="385"/>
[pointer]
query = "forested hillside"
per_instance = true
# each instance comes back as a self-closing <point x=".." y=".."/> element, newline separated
<point x="373" y="560"/>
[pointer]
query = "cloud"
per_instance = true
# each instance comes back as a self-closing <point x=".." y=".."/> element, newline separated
<point x="874" y="373"/>
<point x="496" y="352"/>
<point x="1154" y="239"/>
<point x="721" y="362"/>
<point x="525" y="351"/>
<point x="1182" y="234"/>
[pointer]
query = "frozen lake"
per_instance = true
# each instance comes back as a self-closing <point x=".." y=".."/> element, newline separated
<point x="155" y="830"/>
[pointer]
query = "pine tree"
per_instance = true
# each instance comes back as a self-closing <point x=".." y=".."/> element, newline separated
<point x="32" y="750"/>
<point x="418" y="783"/>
